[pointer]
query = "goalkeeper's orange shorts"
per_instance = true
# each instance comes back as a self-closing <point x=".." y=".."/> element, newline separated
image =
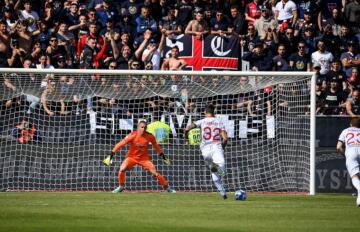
<point x="129" y="163"/>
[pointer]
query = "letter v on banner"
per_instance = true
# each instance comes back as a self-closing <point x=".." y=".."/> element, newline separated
<point x="213" y="52"/>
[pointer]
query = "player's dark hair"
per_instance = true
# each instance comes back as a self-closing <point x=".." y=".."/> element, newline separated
<point x="210" y="109"/>
<point x="355" y="122"/>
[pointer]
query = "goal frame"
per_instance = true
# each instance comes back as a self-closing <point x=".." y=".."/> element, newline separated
<point x="207" y="74"/>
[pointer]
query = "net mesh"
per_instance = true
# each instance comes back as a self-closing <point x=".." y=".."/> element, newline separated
<point x="56" y="128"/>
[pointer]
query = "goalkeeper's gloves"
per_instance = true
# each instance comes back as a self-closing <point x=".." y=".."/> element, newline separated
<point x="165" y="158"/>
<point x="223" y="144"/>
<point x="108" y="159"/>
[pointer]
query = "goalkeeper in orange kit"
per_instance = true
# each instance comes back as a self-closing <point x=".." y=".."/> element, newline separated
<point x="138" y="154"/>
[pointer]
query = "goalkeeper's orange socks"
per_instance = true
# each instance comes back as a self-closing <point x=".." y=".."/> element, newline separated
<point x="121" y="178"/>
<point x="162" y="181"/>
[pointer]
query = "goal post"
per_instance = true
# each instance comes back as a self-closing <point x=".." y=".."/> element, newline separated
<point x="57" y="126"/>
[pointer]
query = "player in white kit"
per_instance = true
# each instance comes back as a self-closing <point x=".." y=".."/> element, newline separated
<point x="350" y="137"/>
<point x="213" y="141"/>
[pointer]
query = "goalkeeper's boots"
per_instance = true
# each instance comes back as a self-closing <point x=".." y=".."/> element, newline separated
<point x="171" y="190"/>
<point x="224" y="197"/>
<point x="358" y="201"/>
<point x="119" y="189"/>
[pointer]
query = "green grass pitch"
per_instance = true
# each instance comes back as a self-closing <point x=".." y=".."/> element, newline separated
<point x="186" y="212"/>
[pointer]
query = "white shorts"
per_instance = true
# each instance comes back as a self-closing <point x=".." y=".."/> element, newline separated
<point x="352" y="163"/>
<point x="213" y="153"/>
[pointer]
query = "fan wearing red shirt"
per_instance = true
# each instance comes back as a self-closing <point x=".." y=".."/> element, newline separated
<point x="252" y="12"/>
<point x="92" y="34"/>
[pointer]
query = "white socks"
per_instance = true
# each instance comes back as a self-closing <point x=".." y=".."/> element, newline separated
<point x="218" y="183"/>
<point x="356" y="182"/>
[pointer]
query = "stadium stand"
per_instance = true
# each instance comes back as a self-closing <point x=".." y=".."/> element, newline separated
<point x="296" y="35"/>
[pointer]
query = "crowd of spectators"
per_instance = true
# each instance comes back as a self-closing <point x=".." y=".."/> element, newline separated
<point x="295" y="35"/>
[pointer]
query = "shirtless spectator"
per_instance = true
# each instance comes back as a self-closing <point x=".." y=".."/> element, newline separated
<point x="44" y="98"/>
<point x="174" y="62"/>
<point x="23" y="35"/>
<point x="197" y="26"/>
<point x="4" y="38"/>
<point x="16" y="56"/>
<point x="48" y="95"/>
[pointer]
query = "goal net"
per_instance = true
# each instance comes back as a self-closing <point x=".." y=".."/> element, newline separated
<point x="56" y="127"/>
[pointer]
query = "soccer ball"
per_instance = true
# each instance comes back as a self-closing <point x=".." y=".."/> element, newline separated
<point x="240" y="195"/>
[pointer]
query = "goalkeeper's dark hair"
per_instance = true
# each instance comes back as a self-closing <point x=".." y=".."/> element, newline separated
<point x="355" y="122"/>
<point x="210" y="109"/>
<point x="142" y="122"/>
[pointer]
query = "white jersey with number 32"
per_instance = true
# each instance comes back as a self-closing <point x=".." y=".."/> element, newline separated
<point x="211" y="128"/>
<point x="351" y="138"/>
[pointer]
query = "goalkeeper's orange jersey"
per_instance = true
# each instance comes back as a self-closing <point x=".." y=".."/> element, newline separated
<point x="139" y="145"/>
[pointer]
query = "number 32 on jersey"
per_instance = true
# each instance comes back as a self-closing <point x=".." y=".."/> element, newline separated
<point x="211" y="134"/>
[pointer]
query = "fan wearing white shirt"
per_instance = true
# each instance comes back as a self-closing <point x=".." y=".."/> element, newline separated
<point x="322" y="57"/>
<point x="30" y="16"/>
<point x="213" y="141"/>
<point x="350" y="138"/>
<point x="152" y="53"/>
<point x="286" y="10"/>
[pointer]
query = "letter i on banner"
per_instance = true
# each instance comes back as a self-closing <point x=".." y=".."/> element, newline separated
<point x="92" y="123"/>
<point x="230" y="126"/>
<point x="180" y="119"/>
<point x="270" y="126"/>
<point x="243" y="128"/>
<point x="172" y="127"/>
